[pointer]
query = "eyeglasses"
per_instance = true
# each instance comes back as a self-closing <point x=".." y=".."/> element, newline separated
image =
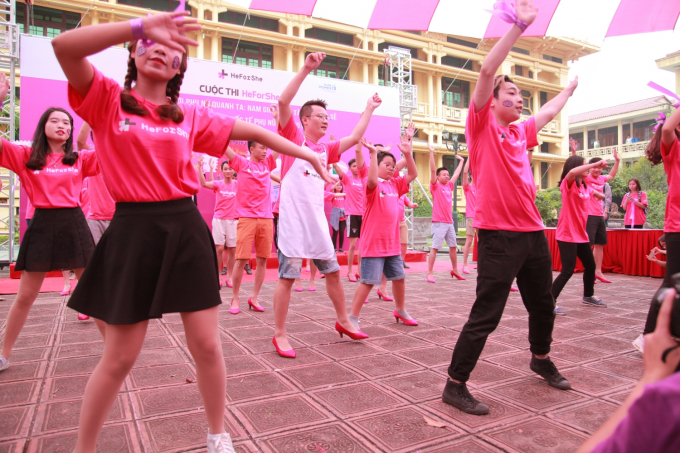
<point x="388" y="166"/>
<point x="321" y="116"/>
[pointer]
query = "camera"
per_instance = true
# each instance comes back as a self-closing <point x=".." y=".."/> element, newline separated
<point x="675" y="311"/>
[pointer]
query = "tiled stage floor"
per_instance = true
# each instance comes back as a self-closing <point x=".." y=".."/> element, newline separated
<point x="378" y="395"/>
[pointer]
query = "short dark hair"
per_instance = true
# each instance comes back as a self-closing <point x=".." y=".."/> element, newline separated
<point x="224" y="162"/>
<point x="440" y="169"/>
<point x="351" y="161"/>
<point x="661" y="239"/>
<point x="306" y="108"/>
<point x="252" y="143"/>
<point x="571" y="163"/>
<point x="594" y="159"/>
<point x="383" y="154"/>
<point x="497" y="83"/>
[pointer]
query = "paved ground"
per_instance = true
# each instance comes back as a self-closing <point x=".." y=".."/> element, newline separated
<point x="338" y="395"/>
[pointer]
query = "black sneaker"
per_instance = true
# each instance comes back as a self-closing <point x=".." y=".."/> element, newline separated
<point x="248" y="270"/>
<point x="457" y="395"/>
<point x="224" y="271"/>
<point x="594" y="301"/>
<point x="406" y="266"/>
<point x="548" y="371"/>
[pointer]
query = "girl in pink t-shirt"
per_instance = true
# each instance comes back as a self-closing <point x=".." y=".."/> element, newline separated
<point x="635" y="203"/>
<point x="572" y="238"/>
<point x="380" y="248"/>
<point x="57" y="238"/>
<point x="157" y="255"/>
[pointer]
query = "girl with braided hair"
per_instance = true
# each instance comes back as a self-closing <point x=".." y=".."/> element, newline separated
<point x="157" y="256"/>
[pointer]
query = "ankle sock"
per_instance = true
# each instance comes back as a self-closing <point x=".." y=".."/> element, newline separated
<point x="355" y="321"/>
<point x="404" y="314"/>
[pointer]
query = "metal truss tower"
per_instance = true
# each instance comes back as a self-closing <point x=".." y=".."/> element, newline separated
<point x="398" y="74"/>
<point x="9" y="61"/>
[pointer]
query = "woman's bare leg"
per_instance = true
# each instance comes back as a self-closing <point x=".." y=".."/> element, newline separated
<point x="67" y="283"/>
<point x="29" y="288"/>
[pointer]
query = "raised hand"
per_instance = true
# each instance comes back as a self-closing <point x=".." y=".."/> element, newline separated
<point x="4" y="87"/>
<point x="616" y="155"/>
<point x="274" y="110"/>
<point x="170" y="29"/>
<point x="601" y="164"/>
<point x="405" y="146"/>
<point x="460" y="158"/>
<point x="431" y="148"/>
<point x="374" y="102"/>
<point x="367" y="144"/>
<point x="415" y="205"/>
<point x="574" y="144"/>
<point x="313" y="60"/>
<point x="331" y="138"/>
<point x="525" y="11"/>
<point x="410" y="130"/>
<point x="572" y="85"/>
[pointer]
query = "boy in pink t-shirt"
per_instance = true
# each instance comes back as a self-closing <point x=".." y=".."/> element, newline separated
<point x="254" y="213"/>
<point x="380" y="229"/>
<point x="510" y="231"/>
<point x="470" y="205"/>
<point x="442" y="188"/>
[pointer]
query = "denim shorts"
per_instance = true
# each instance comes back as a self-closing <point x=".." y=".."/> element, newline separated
<point x="372" y="269"/>
<point x="292" y="267"/>
<point x="441" y="232"/>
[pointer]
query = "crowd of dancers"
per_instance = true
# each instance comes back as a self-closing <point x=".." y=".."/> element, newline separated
<point x="145" y="250"/>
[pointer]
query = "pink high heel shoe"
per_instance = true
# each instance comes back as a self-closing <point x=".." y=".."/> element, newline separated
<point x="251" y="305"/>
<point x="234" y="311"/>
<point x="431" y="280"/>
<point x="290" y="353"/>
<point x="454" y="274"/>
<point x="407" y="322"/>
<point x="354" y="336"/>
<point x="66" y="293"/>
<point x="82" y="317"/>
<point x="514" y="288"/>
<point x="465" y="271"/>
<point x="602" y="279"/>
<point x="311" y="288"/>
<point x="384" y="297"/>
<point x="300" y="289"/>
<point x="351" y="279"/>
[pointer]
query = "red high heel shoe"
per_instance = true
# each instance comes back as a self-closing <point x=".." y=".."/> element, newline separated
<point x="354" y="336"/>
<point x="602" y="279"/>
<point x="252" y="306"/>
<point x="453" y="274"/>
<point x="384" y="297"/>
<point x="288" y="354"/>
<point x="66" y="293"/>
<point x="82" y="317"/>
<point x="407" y="322"/>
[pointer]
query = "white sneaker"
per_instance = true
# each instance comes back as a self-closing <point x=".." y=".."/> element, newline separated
<point x="639" y="343"/>
<point x="220" y="443"/>
<point x="4" y="363"/>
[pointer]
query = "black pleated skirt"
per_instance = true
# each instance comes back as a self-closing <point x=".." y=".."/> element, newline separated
<point x="155" y="258"/>
<point x="56" y="239"/>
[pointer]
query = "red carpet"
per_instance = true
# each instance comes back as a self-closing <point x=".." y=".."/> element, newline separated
<point x="50" y="285"/>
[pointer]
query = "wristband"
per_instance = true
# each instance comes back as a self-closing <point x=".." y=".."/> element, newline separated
<point x="137" y="28"/>
<point x="521" y="24"/>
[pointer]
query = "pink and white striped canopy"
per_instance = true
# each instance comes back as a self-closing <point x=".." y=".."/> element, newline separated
<point x="580" y="19"/>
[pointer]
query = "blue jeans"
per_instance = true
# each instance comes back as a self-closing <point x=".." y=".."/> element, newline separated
<point x="373" y="267"/>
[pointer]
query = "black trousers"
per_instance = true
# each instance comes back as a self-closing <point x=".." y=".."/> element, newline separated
<point x="502" y="256"/>
<point x="338" y="236"/>
<point x="636" y="227"/>
<point x="568" y="253"/>
<point x="672" y="268"/>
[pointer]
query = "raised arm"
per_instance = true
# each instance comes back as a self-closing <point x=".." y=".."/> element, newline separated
<point x="571" y="176"/>
<point x="466" y="169"/>
<point x="4" y="89"/>
<point x="552" y="108"/>
<point x="433" y="167"/>
<point x="201" y="176"/>
<point x="615" y="168"/>
<point x="573" y="144"/>
<point x="275" y="178"/>
<point x="484" y="89"/>
<point x="410" y="131"/>
<point x="410" y="204"/>
<point x="73" y="47"/>
<point x="372" y="182"/>
<point x="668" y="129"/>
<point x="81" y="139"/>
<point x="406" y="148"/>
<point x="459" y="167"/>
<point x="359" y="156"/>
<point x="359" y="130"/>
<point x="312" y="62"/>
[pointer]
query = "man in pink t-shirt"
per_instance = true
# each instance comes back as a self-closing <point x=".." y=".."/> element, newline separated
<point x="254" y="213"/>
<point x="470" y="204"/>
<point x="597" y="231"/>
<point x="510" y="231"/>
<point x="442" y="188"/>
<point x="302" y="222"/>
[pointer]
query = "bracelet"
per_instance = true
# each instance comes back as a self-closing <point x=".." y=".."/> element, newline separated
<point x="521" y="24"/>
<point x="137" y="28"/>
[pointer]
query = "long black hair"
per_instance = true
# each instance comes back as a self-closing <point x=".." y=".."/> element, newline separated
<point x="571" y="163"/>
<point x="41" y="147"/>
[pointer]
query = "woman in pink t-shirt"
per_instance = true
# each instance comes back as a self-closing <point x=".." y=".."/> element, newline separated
<point x="58" y="238"/>
<point x="572" y="238"/>
<point x="635" y="203"/>
<point x="157" y="256"/>
<point x="338" y="216"/>
<point x="380" y="249"/>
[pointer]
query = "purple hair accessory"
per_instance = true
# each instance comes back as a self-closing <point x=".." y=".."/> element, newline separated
<point x="507" y="103"/>
<point x="505" y="10"/>
<point x="668" y="93"/>
<point x="175" y="63"/>
<point x="660" y="120"/>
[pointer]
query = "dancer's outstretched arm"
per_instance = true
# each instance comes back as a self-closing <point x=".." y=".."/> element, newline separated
<point x="433" y="167"/>
<point x="406" y="148"/>
<point x="556" y="104"/>
<point x="360" y="129"/>
<point x="571" y="176"/>
<point x="668" y="129"/>
<point x="81" y="139"/>
<point x="372" y="181"/>
<point x="201" y="176"/>
<point x="459" y="167"/>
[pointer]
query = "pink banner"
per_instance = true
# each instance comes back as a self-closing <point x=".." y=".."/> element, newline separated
<point x="402" y="15"/>
<point x="635" y="16"/>
<point x="546" y="9"/>
<point x="303" y="7"/>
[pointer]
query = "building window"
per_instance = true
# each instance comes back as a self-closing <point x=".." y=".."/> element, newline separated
<point x="248" y="53"/>
<point x="528" y="104"/>
<point x="262" y="23"/>
<point x="644" y="130"/>
<point x="544" y="98"/>
<point x="333" y="67"/>
<point x="578" y="138"/>
<point x="330" y="36"/>
<point x="158" y="5"/>
<point x="608" y="136"/>
<point x="384" y="45"/>
<point x="545" y="147"/>
<point x="457" y="62"/>
<point x="520" y="50"/>
<point x="47" y="21"/>
<point x="519" y="70"/>
<point x="456" y="94"/>
<point x="462" y="42"/>
<point x="544" y="175"/>
<point x="591" y="139"/>
<point x="553" y="59"/>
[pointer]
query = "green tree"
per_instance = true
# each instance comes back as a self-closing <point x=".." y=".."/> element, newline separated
<point x="549" y="203"/>
<point x="424" y="208"/>
<point x="651" y="178"/>
<point x="656" y="200"/>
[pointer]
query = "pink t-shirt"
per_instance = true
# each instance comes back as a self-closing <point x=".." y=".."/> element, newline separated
<point x="470" y="200"/>
<point x="634" y="213"/>
<point x="506" y="190"/>
<point x="596" y="206"/>
<point x="338" y="202"/>
<point x="148" y="158"/>
<point x="295" y="135"/>
<point x="442" y="201"/>
<point x="671" y="165"/>
<point x="380" y="225"/>
<point x="85" y="199"/>
<point x="253" y="199"/>
<point x="30" y="209"/>
<point x="102" y="206"/>
<point x="355" y="188"/>
<point x="571" y="226"/>
<point x="225" y="199"/>
<point x="56" y="185"/>
<point x="402" y="207"/>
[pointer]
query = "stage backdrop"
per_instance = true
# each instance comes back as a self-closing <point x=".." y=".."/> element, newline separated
<point x="239" y="91"/>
